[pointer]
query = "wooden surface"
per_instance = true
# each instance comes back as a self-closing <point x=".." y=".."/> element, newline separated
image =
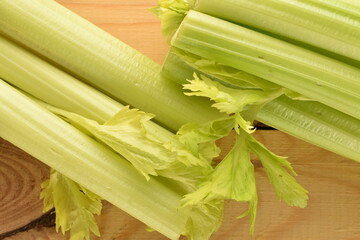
<point x="334" y="182"/>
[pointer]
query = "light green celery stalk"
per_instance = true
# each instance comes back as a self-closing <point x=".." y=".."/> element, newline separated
<point x="44" y="81"/>
<point x="308" y="120"/>
<point x="315" y="123"/>
<point x="89" y="163"/>
<point x="313" y="75"/>
<point x="99" y="59"/>
<point x="329" y="27"/>
<point x="185" y="157"/>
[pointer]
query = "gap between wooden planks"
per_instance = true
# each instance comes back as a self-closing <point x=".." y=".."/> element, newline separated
<point x="334" y="182"/>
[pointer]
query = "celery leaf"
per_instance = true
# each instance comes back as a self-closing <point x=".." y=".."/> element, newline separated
<point x="151" y="149"/>
<point x="125" y="133"/>
<point x="229" y="100"/>
<point x="74" y="205"/>
<point x="232" y="179"/>
<point x="200" y="139"/>
<point x="204" y="220"/>
<point x="286" y="187"/>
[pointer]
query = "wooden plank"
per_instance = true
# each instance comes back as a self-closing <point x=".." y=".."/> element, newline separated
<point x="334" y="182"/>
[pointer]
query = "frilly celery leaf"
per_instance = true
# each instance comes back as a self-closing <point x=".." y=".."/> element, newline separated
<point x="200" y="139"/>
<point x="233" y="179"/>
<point x="74" y="205"/>
<point x="205" y="219"/>
<point x="241" y="123"/>
<point x="151" y="149"/>
<point x="126" y="134"/>
<point x="229" y="100"/>
<point x="286" y="187"/>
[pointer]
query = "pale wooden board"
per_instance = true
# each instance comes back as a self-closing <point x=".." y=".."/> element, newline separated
<point x="334" y="182"/>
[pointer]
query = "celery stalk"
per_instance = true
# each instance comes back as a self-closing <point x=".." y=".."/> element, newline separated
<point x="315" y="123"/>
<point x="313" y="75"/>
<point x="49" y="84"/>
<point x="105" y="62"/>
<point x="310" y="121"/>
<point x="79" y="157"/>
<point x="330" y="25"/>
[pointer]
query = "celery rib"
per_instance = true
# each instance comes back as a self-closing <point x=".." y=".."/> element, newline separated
<point x="44" y="81"/>
<point x="79" y="157"/>
<point x="315" y="123"/>
<point x="318" y="77"/>
<point x="332" y="25"/>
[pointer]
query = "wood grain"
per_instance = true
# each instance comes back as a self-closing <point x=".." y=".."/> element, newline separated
<point x="334" y="182"/>
<point x="20" y="178"/>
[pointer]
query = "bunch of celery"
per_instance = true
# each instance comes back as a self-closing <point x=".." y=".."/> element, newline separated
<point x="107" y="64"/>
<point x="171" y="185"/>
<point x="249" y="74"/>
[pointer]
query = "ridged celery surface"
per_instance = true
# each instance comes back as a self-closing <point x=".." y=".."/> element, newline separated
<point x="310" y="121"/>
<point x="105" y="62"/>
<point x="46" y="82"/>
<point x="153" y="151"/>
<point x="332" y="25"/>
<point x="79" y="157"/>
<point x="313" y="75"/>
<point x="315" y="123"/>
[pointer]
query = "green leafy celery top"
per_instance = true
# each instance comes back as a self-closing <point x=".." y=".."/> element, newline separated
<point x="75" y="206"/>
<point x="234" y="177"/>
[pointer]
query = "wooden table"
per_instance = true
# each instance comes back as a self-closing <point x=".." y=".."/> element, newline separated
<point x="333" y="212"/>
